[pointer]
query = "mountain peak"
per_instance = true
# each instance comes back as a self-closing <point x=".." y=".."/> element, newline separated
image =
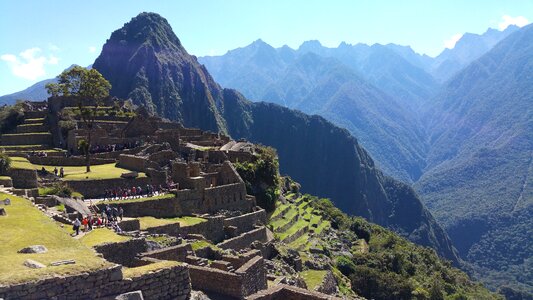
<point x="147" y="27"/>
<point x="311" y="45"/>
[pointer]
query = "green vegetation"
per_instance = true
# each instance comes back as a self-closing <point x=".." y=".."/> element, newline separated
<point x="394" y="267"/>
<point x="313" y="278"/>
<point x="138" y="271"/>
<point x="10" y="117"/>
<point x="199" y="244"/>
<point x="105" y="171"/>
<point x="149" y="222"/>
<point x="158" y="197"/>
<point x="262" y="177"/>
<point x="5" y="163"/>
<point x="25" y="225"/>
<point x="58" y="189"/>
<point x="85" y="85"/>
<point x="100" y="236"/>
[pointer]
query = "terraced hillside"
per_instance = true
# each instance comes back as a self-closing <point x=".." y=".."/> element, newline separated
<point x="297" y="224"/>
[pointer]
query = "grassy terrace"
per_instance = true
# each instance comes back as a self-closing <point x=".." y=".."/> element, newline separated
<point x="158" y="197"/>
<point x="313" y="278"/>
<point x="100" y="236"/>
<point x="106" y="171"/>
<point x="149" y="222"/>
<point x="25" y="225"/>
<point x="27" y="133"/>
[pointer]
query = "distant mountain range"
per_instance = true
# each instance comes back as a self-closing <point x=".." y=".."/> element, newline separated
<point x="457" y="125"/>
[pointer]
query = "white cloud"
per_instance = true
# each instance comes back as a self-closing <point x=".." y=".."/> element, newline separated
<point x="53" y="48"/>
<point x="29" y="64"/>
<point x="92" y="49"/>
<point x="507" y="20"/>
<point x="450" y="43"/>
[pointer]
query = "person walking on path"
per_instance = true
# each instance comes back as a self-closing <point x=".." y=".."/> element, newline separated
<point x="61" y="172"/>
<point x="76" y="226"/>
<point x="120" y="212"/>
<point x="85" y="222"/>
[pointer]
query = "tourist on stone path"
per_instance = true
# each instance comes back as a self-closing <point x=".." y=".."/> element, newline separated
<point x="104" y="218"/>
<point x="61" y="172"/>
<point x="115" y="213"/>
<point x="55" y="171"/>
<point x="90" y="222"/>
<point x="120" y="212"/>
<point x="85" y="222"/>
<point x="76" y="226"/>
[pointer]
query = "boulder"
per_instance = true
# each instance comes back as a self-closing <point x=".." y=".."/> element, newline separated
<point x="131" y="174"/>
<point x="34" y="249"/>
<point x="30" y="263"/>
<point x="136" y="295"/>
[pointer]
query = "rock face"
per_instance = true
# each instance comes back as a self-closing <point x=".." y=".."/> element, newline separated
<point x="30" y="263"/>
<point x="34" y="249"/>
<point x="145" y="61"/>
<point x="137" y="295"/>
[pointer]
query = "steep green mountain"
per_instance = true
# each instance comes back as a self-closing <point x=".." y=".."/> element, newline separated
<point x="145" y="61"/>
<point x="479" y="177"/>
<point x="323" y="85"/>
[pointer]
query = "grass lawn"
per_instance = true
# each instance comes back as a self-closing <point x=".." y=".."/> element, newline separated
<point x="313" y="278"/>
<point x="164" y="196"/>
<point x="138" y="271"/>
<point x="106" y="171"/>
<point x="202" y="244"/>
<point x="149" y="222"/>
<point x="100" y="236"/>
<point x="24" y="226"/>
<point x="289" y="215"/>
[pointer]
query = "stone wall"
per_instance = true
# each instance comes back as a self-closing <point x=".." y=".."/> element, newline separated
<point x="157" y="208"/>
<point x="123" y="253"/>
<point x="6" y="181"/>
<point x="27" y="139"/>
<point x="23" y="178"/>
<point x="247" y="222"/>
<point x="177" y="253"/>
<point x="132" y="162"/>
<point x="229" y="197"/>
<point x="244" y="240"/>
<point x="67" y="161"/>
<point x="282" y="292"/>
<point x="96" y="188"/>
<point x="253" y="276"/>
<point x="212" y="230"/>
<point x="248" y="279"/>
<point x="328" y="284"/>
<point x="168" y="283"/>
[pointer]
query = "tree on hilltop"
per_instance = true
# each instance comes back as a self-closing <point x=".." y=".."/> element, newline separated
<point x="86" y="86"/>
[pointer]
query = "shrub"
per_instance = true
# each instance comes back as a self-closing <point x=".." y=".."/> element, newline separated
<point x="5" y="163"/>
<point x="345" y="265"/>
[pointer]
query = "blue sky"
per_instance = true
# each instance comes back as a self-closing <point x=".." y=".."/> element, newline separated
<point x="38" y="39"/>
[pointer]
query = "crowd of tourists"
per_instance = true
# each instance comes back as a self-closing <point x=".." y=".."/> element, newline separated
<point x="133" y="192"/>
<point x="114" y="147"/>
<point x="109" y="218"/>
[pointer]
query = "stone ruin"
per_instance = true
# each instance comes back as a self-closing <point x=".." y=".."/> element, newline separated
<point x="195" y="168"/>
